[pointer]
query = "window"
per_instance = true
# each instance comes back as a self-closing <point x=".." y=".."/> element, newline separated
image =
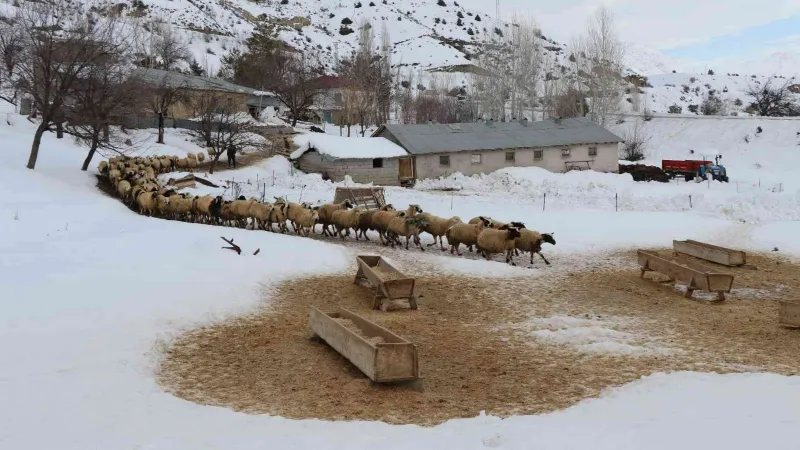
<point x="565" y="153"/>
<point x="444" y="160"/>
<point x="592" y="151"/>
<point x="538" y="154"/>
<point x="509" y="156"/>
<point x="377" y="163"/>
<point x="476" y="159"/>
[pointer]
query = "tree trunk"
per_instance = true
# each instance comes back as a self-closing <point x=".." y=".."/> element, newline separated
<point x="294" y="119"/>
<point x="92" y="149"/>
<point x="214" y="161"/>
<point x="106" y="133"/>
<point x="60" y="130"/>
<point x="37" y="140"/>
<point x="160" y="128"/>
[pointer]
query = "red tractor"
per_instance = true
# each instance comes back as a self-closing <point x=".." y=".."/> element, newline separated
<point x="690" y="169"/>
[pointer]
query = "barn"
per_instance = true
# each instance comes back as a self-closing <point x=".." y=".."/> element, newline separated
<point x="558" y="145"/>
<point x="366" y="159"/>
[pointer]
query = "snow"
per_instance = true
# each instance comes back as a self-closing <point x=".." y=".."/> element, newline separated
<point x="347" y="147"/>
<point x="90" y="291"/>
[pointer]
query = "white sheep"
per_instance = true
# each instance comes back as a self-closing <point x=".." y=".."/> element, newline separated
<point x="326" y="214"/>
<point x="381" y="220"/>
<point x="437" y="227"/>
<point x="343" y="220"/>
<point x="409" y="227"/>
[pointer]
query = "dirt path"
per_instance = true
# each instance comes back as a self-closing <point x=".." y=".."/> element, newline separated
<point x="486" y="344"/>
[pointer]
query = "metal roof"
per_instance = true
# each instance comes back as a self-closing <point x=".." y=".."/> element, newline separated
<point x="447" y="138"/>
<point x="177" y="79"/>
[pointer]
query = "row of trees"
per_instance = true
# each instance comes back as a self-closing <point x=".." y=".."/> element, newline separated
<point x="79" y="72"/>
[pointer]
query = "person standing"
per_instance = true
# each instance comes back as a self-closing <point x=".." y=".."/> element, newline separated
<point x="231" y="155"/>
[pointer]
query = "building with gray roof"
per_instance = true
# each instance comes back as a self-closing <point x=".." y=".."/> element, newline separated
<point x="558" y="145"/>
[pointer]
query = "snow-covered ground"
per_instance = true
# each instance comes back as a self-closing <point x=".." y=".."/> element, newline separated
<point x="89" y="291"/>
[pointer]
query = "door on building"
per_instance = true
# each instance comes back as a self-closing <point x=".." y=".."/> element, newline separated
<point x="406" y="170"/>
<point x="328" y="116"/>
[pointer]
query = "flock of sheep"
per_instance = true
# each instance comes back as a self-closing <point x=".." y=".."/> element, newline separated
<point x="135" y="182"/>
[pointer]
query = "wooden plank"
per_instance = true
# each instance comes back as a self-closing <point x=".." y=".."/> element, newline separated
<point x="352" y="346"/>
<point x="789" y="314"/>
<point x="394" y="360"/>
<point x="709" y="252"/>
<point x="696" y="276"/>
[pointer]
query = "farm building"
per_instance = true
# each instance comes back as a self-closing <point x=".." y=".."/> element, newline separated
<point x="365" y="160"/>
<point x="558" y="145"/>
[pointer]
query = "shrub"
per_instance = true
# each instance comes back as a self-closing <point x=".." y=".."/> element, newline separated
<point x="712" y="106"/>
<point x="470" y="32"/>
<point x="647" y="115"/>
<point x="460" y="15"/>
<point x="693" y="108"/>
<point x="685" y="89"/>
<point x="675" y="109"/>
<point x="738" y="102"/>
<point x="345" y="30"/>
<point x="477" y="18"/>
<point x="710" y="72"/>
<point x="284" y="2"/>
<point x="441" y="3"/>
<point x="692" y="80"/>
<point x="358" y="5"/>
<point x="347" y="21"/>
<point x="460" y="23"/>
<point x="634" y="145"/>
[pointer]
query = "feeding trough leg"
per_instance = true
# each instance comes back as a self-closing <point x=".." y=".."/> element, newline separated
<point x="412" y="301"/>
<point x="359" y="276"/>
<point x="689" y="289"/>
<point x="720" y="296"/>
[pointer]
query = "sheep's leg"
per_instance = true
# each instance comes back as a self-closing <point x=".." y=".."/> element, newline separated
<point x="407" y="239"/>
<point x="510" y="257"/>
<point x="469" y="247"/>
<point x="419" y="243"/>
<point x="545" y="259"/>
<point x="516" y="252"/>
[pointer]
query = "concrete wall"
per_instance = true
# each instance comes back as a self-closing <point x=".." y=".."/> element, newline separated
<point x="606" y="160"/>
<point x="360" y="170"/>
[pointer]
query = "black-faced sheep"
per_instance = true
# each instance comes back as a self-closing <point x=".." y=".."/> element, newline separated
<point x="146" y="202"/>
<point x="124" y="190"/>
<point x="501" y="240"/>
<point x="465" y="233"/>
<point x="531" y="241"/>
<point x="294" y="210"/>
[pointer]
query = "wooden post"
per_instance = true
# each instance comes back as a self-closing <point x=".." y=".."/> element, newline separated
<point x="544" y="201"/>
<point x="690" y="202"/>
<point x="616" y="201"/>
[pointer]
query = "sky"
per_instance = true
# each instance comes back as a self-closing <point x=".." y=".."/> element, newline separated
<point x="699" y="30"/>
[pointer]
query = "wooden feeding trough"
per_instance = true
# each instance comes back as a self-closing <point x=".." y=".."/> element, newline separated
<point x="382" y="355"/>
<point x="368" y="198"/>
<point x="789" y="314"/>
<point x="696" y="276"/>
<point x="708" y="252"/>
<point x="389" y="283"/>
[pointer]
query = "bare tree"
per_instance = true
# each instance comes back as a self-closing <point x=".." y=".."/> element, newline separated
<point x="163" y="96"/>
<point x="773" y="101"/>
<point x="60" y="43"/>
<point x="168" y="48"/>
<point x="598" y="63"/>
<point x="11" y="51"/>
<point x="525" y="65"/>
<point x="635" y="142"/>
<point x="220" y="127"/>
<point x="103" y="95"/>
<point x="713" y="106"/>
<point x="294" y="82"/>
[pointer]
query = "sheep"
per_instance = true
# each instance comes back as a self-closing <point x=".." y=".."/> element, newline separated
<point x="102" y="168"/>
<point x="113" y="176"/>
<point x="306" y="220"/>
<point x="166" y="164"/>
<point x="201" y="157"/>
<point x="180" y="206"/>
<point x="381" y="220"/>
<point x="531" y="241"/>
<point x="146" y="202"/>
<point x="343" y="220"/>
<point x="365" y="222"/>
<point x="498" y="241"/>
<point x="124" y="189"/>
<point x="191" y="156"/>
<point x="201" y="207"/>
<point x="276" y="216"/>
<point x="155" y="163"/>
<point x="241" y="209"/>
<point x="410" y="227"/>
<point x="438" y="226"/>
<point x="326" y="213"/>
<point x="260" y="214"/>
<point x="294" y="210"/>
<point x="162" y="205"/>
<point x="182" y="163"/>
<point x="465" y="233"/>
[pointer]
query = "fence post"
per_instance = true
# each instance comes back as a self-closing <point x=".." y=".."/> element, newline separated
<point x="690" y="202"/>
<point x="273" y="178"/>
<point x="452" y="194"/>
<point x="616" y="202"/>
<point x="737" y="187"/>
<point x="544" y="201"/>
